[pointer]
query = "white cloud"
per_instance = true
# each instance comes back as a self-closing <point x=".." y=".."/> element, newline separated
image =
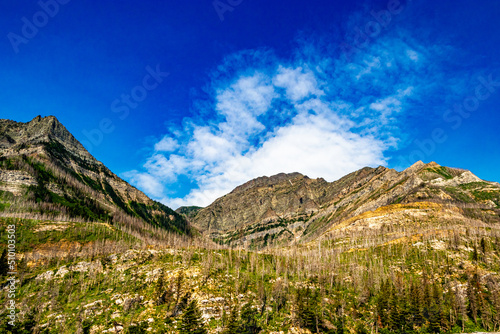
<point x="147" y="181"/>
<point x="413" y="55"/>
<point x="242" y="102"/>
<point x="166" y="169"/>
<point x="166" y="144"/>
<point x="313" y="144"/>
<point x="321" y="119"/>
<point x="297" y="83"/>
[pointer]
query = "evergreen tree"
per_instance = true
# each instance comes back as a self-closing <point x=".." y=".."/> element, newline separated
<point x="361" y="329"/>
<point x="474" y="296"/>
<point x="191" y="321"/>
<point x="4" y="265"/>
<point x="483" y="246"/>
<point x="495" y="296"/>
<point x="26" y="326"/>
<point x="382" y="304"/>
<point x="450" y="309"/>
<point x="486" y="315"/>
<point x="248" y="322"/>
<point x="232" y="326"/>
<point x="339" y="323"/>
<point x="305" y="309"/>
<point x="405" y="313"/>
<point x="309" y="310"/>
<point x="435" y="311"/>
<point x="394" y="322"/>
<point x="416" y="308"/>
<point x="178" y="286"/>
<point x="86" y="326"/>
<point x="426" y="294"/>
<point x="181" y="305"/>
<point x="159" y="289"/>
<point x="475" y="255"/>
<point x="29" y="321"/>
<point x="138" y="329"/>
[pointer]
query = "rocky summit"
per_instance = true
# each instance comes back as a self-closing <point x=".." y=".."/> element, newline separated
<point x="289" y="208"/>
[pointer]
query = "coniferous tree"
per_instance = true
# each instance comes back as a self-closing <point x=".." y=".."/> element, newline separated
<point x="486" y="315"/>
<point x="248" y="322"/>
<point x="382" y="304"/>
<point x="361" y="329"/>
<point x="159" y="290"/>
<point x="232" y="326"/>
<point x="4" y="265"/>
<point x="451" y="309"/>
<point x="496" y="307"/>
<point x="182" y="304"/>
<point x="394" y="322"/>
<point x="426" y="294"/>
<point x="191" y="320"/>
<point x="405" y="313"/>
<point x="435" y="312"/>
<point x="475" y="255"/>
<point x="138" y="328"/>
<point x="483" y="246"/>
<point x="305" y="311"/>
<point x="309" y="310"/>
<point x="178" y="286"/>
<point x="416" y="307"/>
<point x="339" y="323"/>
<point x="474" y="296"/>
<point x="26" y="326"/>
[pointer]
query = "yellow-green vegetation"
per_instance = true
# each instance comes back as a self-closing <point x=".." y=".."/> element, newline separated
<point x="55" y="190"/>
<point x="443" y="172"/>
<point x="441" y="280"/>
<point x="32" y="234"/>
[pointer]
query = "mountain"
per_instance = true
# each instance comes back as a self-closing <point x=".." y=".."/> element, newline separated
<point x="188" y="211"/>
<point x="378" y="251"/>
<point x="45" y="173"/>
<point x="289" y="208"/>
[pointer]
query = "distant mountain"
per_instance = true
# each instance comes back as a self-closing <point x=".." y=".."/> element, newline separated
<point x="46" y="173"/>
<point x="188" y="211"/>
<point x="289" y="208"/>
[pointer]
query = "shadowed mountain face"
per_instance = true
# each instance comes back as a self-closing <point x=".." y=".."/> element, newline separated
<point x="289" y="208"/>
<point x="46" y="173"/>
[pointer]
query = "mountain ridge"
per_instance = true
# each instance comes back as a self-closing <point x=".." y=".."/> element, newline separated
<point x="304" y="208"/>
<point x="42" y="162"/>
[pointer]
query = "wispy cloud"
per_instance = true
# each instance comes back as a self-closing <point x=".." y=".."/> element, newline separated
<point x="270" y="115"/>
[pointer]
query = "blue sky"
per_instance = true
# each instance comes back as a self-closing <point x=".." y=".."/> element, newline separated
<point x="187" y="100"/>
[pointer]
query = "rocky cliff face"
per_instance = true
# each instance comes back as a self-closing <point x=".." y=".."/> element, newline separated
<point x="43" y="169"/>
<point x="25" y="138"/>
<point x="288" y="208"/>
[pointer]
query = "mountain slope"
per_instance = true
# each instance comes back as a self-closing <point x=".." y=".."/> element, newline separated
<point x="291" y="207"/>
<point x="377" y="251"/>
<point x="46" y="173"/>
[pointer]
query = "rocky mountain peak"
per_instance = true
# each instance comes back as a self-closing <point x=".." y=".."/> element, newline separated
<point x="33" y="137"/>
<point x="43" y="164"/>
<point x="269" y="181"/>
<point x="293" y="207"/>
<point x="432" y="164"/>
<point x="49" y="126"/>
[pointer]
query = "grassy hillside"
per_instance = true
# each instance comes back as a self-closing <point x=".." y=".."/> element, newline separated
<point x="437" y="277"/>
